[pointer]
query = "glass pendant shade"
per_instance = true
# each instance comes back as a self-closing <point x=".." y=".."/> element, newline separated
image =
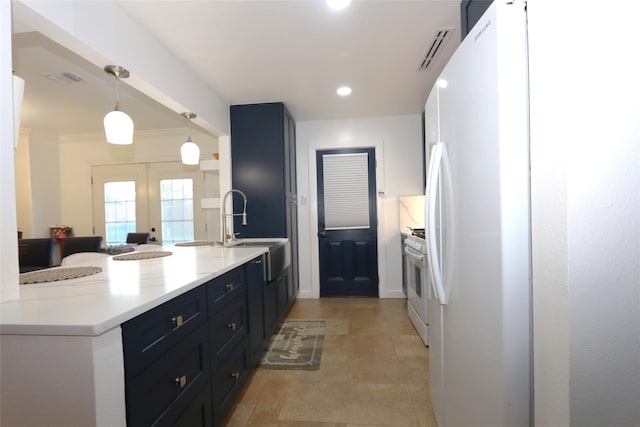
<point x="118" y="128"/>
<point x="190" y="153"/>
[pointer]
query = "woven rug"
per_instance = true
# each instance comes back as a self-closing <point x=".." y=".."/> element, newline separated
<point x="196" y="243"/>
<point x="297" y="345"/>
<point x="57" y="274"/>
<point x="131" y="256"/>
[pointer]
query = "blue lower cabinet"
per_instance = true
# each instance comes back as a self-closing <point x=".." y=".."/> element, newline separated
<point x="199" y="413"/>
<point x="165" y="389"/>
<point x="150" y="335"/>
<point x="227" y="328"/>
<point x="187" y="360"/>
<point x="227" y="380"/>
<point x="225" y="288"/>
<point x="278" y="299"/>
<point x="271" y="307"/>
<point x="256" y="281"/>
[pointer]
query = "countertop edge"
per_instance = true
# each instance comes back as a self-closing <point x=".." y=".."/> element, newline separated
<point x="92" y="330"/>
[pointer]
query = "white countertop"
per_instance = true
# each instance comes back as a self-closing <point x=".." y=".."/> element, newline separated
<point x="94" y="304"/>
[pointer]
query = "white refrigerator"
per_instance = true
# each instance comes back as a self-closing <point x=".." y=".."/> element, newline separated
<point x="478" y="227"/>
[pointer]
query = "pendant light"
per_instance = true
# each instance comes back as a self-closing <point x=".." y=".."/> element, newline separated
<point x="190" y="152"/>
<point x="118" y="126"/>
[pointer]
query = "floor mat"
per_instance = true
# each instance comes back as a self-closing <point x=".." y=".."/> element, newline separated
<point x="297" y="345"/>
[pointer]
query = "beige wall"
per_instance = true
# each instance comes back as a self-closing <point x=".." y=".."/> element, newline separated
<point x="23" y="186"/>
<point x="8" y="227"/>
<point x="79" y="153"/>
<point x="37" y="183"/>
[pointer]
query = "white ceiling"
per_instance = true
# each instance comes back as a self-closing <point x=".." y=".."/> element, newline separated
<point x="297" y="52"/>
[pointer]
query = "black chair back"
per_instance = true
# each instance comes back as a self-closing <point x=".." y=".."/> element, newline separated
<point x="73" y="245"/>
<point x="139" y="238"/>
<point x="35" y="254"/>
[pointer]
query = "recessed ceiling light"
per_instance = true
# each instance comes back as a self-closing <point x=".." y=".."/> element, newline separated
<point x="338" y="4"/>
<point x="344" y="91"/>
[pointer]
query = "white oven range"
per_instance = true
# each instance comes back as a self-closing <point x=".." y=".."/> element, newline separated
<point x="417" y="277"/>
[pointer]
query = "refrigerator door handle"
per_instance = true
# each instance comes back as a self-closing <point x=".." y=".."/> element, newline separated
<point x="435" y="270"/>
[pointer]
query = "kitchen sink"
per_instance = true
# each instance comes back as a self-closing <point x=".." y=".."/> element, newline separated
<point x="278" y="258"/>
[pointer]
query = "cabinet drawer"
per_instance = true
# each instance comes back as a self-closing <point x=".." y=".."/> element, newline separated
<point x="199" y="413"/>
<point x="228" y="327"/>
<point x="224" y="288"/>
<point x="228" y="379"/>
<point x="146" y="337"/>
<point x="171" y="383"/>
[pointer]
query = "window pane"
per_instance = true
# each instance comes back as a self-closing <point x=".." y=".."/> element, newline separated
<point x="119" y="210"/>
<point x="176" y="205"/>
<point x="346" y="191"/>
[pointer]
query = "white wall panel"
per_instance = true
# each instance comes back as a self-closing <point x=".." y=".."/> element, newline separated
<point x="398" y="146"/>
<point x="586" y="213"/>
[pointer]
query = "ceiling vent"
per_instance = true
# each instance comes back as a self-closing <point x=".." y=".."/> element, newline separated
<point x="434" y="48"/>
<point x="65" y="78"/>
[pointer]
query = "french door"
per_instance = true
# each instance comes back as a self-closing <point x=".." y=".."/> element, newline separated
<point x="159" y="198"/>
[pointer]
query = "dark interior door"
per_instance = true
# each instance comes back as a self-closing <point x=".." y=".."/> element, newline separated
<point x="347" y="222"/>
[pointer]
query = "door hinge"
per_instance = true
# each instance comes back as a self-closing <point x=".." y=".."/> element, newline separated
<point x="91" y="180"/>
<point x="93" y="230"/>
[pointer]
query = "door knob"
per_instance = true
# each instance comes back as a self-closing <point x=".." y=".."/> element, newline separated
<point x="322" y="234"/>
<point x="153" y="239"/>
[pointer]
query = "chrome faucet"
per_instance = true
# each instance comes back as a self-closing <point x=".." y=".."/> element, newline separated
<point x="226" y="235"/>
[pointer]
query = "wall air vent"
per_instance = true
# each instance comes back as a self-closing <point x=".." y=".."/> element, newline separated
<point x="434" y="48"/>
<point x="65" y="78"/>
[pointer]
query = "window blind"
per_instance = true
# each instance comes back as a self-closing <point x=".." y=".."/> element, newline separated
<point x="346" y="191"/>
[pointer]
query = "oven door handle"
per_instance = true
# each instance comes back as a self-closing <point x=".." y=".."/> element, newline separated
<point x="410" y="252"/>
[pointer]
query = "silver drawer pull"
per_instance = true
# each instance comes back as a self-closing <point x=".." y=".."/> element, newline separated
<point x="177" y="321"/>
<point x="231" y="287"/>
<point x="232" y="326"/>
<point x="235" y="376"/>
<point x="181" y="381"/>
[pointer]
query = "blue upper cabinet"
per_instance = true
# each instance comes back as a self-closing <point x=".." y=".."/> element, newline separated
<point x="470" y="12"/>
<point x="263" y="161"/>
<point x="261" y="167"/>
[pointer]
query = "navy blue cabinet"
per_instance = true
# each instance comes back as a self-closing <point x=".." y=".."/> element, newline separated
<point x="263" y="160"/>
<point x="470" y="12"/>
<point x="229" y="339"/>
<point x="186" y="360"/>
<point x="166" y="354"/>
<point x="271" y="318"/>
<point x="256" y="283"/>
<point x="227" y="380"/>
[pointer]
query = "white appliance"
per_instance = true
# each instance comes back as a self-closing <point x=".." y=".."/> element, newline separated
<point x="414" y="258"/>
<point x="414" y="250"/>
<point x="478" y="227"/>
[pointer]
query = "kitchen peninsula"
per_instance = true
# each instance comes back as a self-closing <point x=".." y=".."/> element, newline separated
<point x="141" y="341"/>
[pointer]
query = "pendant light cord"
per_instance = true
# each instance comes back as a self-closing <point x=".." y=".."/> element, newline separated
<point x="189" y="129"/>
<point x="117" y="93"/>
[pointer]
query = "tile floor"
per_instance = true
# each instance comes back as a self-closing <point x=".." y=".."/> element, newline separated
<point x="374" y="372"/>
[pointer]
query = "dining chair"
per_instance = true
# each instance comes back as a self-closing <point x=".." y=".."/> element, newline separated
<point x="139" y="238"/>
<point x="35" y="254"/>
<point x="74" y="245"/>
